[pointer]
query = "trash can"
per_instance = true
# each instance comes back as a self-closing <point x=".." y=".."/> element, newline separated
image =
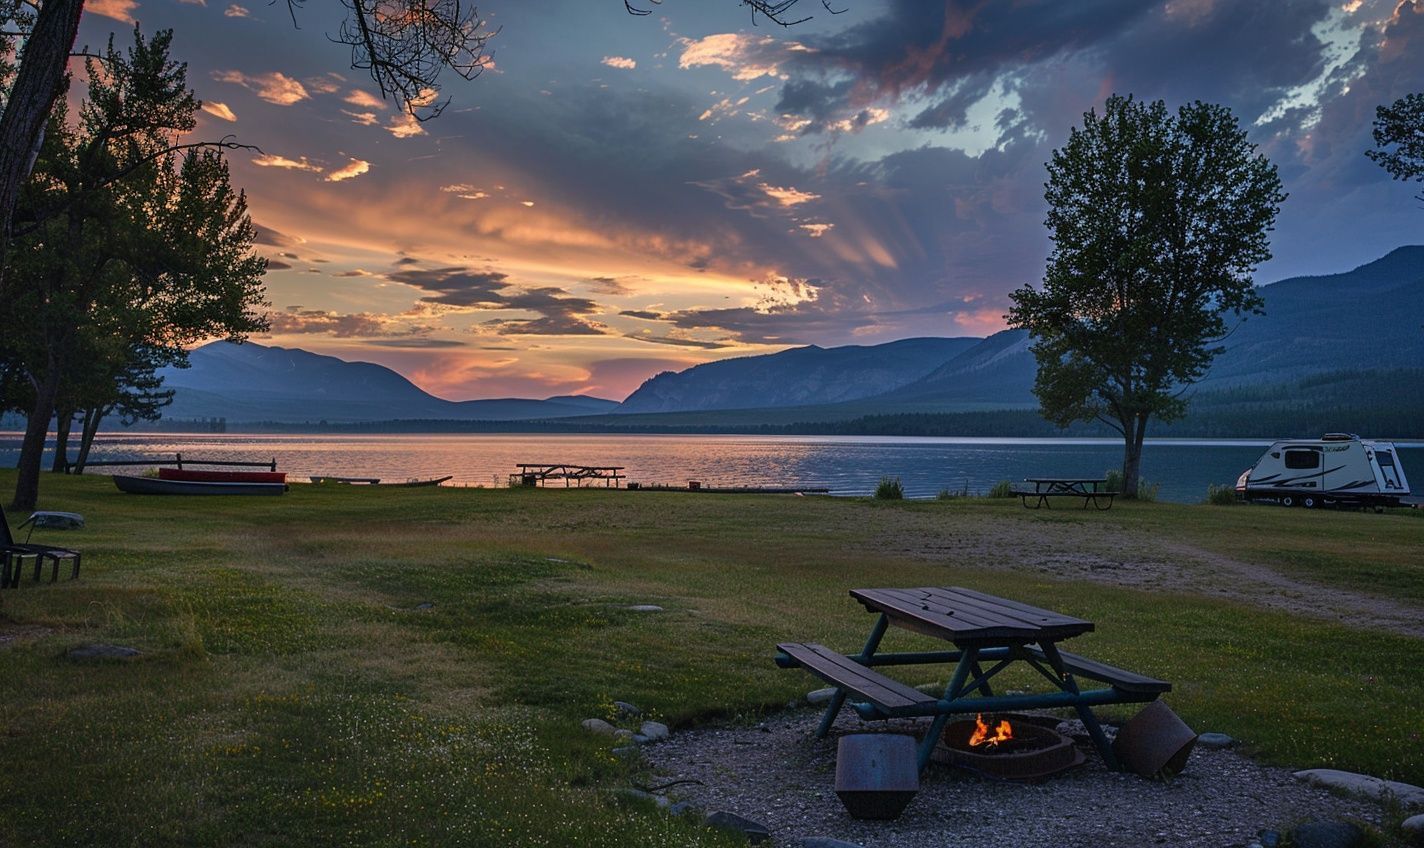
<point x="1155" y="743"/>
<point x="877" y="774"/>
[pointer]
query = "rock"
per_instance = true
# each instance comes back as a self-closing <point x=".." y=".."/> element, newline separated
<point x="627" y="710"/>
<point x="640" y="739"/>
<point x="623" y="734"/>
<point x="1327" y="834"/>
<point x="626" y="752"/>
<point x="656" y="731"/>
<point x="1215" y="740"/>
<point x="1364" y="786"/>
<point x="754" y="831"/>
<point x="598" y="725"/>
<point x="681" y="808"/>
<point x="645" y="608"/>
<point x="638" y="795"/>
<point x="825" y="842"/>
<point x="99" y="651"/>
<point x="1414" y="829"/>
<point x="821" y="696"/>
<point x="425" y="605"/>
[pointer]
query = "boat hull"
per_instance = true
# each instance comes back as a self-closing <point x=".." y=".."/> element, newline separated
<point x="155" y="486"/>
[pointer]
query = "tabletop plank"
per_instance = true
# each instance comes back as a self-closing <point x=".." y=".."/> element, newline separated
<point x="966" y="616"/>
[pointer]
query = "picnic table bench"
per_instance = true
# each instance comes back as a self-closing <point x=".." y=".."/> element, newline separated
<point x="986" y="631"/>
<point x="1046" y="488"/>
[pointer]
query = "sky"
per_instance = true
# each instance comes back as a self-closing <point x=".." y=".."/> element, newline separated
<point x="616" y="196"/>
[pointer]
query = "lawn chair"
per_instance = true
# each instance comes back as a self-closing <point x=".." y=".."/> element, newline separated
<point x="15" y="551"/>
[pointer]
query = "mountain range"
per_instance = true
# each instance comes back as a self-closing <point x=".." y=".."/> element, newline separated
<point x="1367" y="320"/>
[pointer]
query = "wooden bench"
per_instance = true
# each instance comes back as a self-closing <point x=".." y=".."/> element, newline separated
<point x="891" y="696"/>
<point x="1042" y="498"/>
<point x="1117" y="678"/>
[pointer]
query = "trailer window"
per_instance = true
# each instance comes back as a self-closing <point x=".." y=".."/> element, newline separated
<point x="1386" y="459"/>
<point x="1302" y="459"/>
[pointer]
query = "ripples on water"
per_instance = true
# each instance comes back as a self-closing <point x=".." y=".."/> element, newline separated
<point x="847" y="466"/>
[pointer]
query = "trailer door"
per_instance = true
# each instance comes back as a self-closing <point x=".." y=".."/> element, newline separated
<point x="1391" y="478"/>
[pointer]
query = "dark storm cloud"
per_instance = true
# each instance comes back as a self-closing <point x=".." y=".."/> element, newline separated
<point x="559" y="315"/>
<point x="679" y="342"/>
<point x="456" y="286"/>
<point x="643" y="314"/>
<point x="609" y="286"/>
<point x="278" y="265"/>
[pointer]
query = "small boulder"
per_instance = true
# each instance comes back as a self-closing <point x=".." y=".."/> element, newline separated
<point x="754" y="831"/>
<point x="640" y="739"/>
<point x="656" y="731"/>
<point x="1215" y="740"/>
<point x="825" y="842"/>
<point x="681" y="808"/>
<point x="425" y="605"/>
<point x="1414" y="829"/>
<point x="1327" y="834"/>
<point x="598" y="725"/>
<point x="645" y="608"/>
<point x="99" y="651"/>
<point x="623" y="734"/>
<point x="626" y="752"/>
<point x="1365" y="786"/>
<point x="821" y="696"/>
<point x="626" y="710"/>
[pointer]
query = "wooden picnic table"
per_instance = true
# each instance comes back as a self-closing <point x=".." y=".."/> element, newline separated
<point x="1047" y="488"/>
<point x="986" y="631"/>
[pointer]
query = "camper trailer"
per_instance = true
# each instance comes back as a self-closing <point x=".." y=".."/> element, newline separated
<point x="1338" y="469"/>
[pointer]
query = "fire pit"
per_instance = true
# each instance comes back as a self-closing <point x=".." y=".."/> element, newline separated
<point x="1007" y="747"/>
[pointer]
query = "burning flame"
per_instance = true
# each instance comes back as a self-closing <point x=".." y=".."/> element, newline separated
<point x="1002" y="733"/>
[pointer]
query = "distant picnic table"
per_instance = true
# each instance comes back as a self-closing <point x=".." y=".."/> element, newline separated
<point x="540" y="473"/>
<point x="1046" y="488"/>
<point x="984" y="629"/>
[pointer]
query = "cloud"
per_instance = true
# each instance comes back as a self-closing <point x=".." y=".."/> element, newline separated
<point x="365" y="119"/>
<point x="235" y="11"/>
<point x="456" y="286"/>
<point x="272" y="160"/>
<point x="363" y="99"/>
<point x="642" y="314"/>
<point x="219" y="110"/>
<point x="353" y="168"/>
<point x="678" y="341"/>
<point x="326" y="84"/>
<point x="275" y="87"/>
<point x="273" y="238"/>
<point x="119" y="10"/>
<point x="418" y="342"/>
<point x="405" y="125"/>
<point x="559" y="315"/>
<point x="278" y="265"/>
<point x="607" y="285"/>
<point x="298" y="321"/>
<point x="816" y="230"/>
<point x="620" y="62"/>
<point x="746" y="57"/>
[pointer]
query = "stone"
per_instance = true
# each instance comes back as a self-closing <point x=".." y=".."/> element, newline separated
<point x="825" y="842"/>
<point x="99" y="651"/>
<point x="1327" y="834"/>
<point x="425" y="605"/>
<point x="626" y="752"/>
<point x="1215" y="740"/>
<point x="656" y="731"/>
<point x="598" y="725"/>
<point x="623" y="708"/>
<point x="755" y="832"/>
<point x="640" y="739"/>
<point x="645" y="608"/>
<point x="637" y="795"/>
<point x="681" y="808"/>
<point x="1414" y="829"/>
<point x="821" y="696"/>
<point x="1365" y="786"/>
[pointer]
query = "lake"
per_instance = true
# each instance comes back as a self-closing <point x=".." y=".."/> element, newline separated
<point x="850" y="465"/>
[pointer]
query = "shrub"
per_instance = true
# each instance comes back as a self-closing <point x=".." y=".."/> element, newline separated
<point x="1221" y="495"/>
<point x="1002" y="489"/>
<point x="1146" y="492"/>
<point x="890" y="489"/>
<point x="948" y="494"/>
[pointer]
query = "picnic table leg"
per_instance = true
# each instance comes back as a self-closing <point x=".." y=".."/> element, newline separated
<point x="1085" y="713"/>
<point x="838" y="700"/>
<point x="983" y="686"/>
<point x="967" y="662"/>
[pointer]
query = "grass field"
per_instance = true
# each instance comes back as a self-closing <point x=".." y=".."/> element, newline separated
<point x="291" y="689"/>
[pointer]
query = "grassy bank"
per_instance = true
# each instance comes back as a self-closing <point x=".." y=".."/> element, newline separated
<point x="292" y="687"/>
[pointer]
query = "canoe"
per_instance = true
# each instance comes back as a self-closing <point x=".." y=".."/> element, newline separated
<point x="204" y="476"/>
<point x="368" y="482"/>
<point x="157" y="486"/>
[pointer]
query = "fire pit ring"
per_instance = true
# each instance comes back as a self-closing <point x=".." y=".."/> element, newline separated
<point x="1035" y="752"/>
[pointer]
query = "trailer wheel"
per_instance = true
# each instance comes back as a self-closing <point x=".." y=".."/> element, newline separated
<point x="1308" y="502"/>
<point x="1287" y="500"/>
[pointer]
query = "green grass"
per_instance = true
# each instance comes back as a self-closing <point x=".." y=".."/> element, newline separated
<point x="291" y="690"/>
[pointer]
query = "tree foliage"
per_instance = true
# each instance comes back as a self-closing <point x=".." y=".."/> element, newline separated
<point x="136" y="248"/>
<point x="1158" y="222"/>
<point x="1399" y="138"/>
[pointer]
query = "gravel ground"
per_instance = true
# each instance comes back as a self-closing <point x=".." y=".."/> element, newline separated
<point x="781" y="776"/>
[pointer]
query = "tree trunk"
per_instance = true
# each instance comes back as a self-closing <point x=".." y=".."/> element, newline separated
<point x="92" y="417"/>
<point x="1134" y="434"/>
<point x="63" y="421"/>
<point x="27" y="482"/>
<point x="43" y="61"/>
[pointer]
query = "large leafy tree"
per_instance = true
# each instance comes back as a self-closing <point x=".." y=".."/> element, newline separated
<point x="135" y="242"/>
<point x="1399" y="138"/>
<point x="1158" y="222"/>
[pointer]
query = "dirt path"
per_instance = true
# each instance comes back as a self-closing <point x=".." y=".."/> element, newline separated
<point x="1114" y="555"/>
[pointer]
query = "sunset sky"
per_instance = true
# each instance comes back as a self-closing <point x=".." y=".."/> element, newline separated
<point x="618" y="195"/>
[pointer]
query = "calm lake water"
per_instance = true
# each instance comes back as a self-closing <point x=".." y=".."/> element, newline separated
<point x="846" y="465"/>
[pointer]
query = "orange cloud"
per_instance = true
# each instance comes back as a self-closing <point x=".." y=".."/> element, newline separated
<point x="352" y="169"/>
<point x="219" y="110"/>
<point x="119" y="10"/>
<point x="275" y="87"/>
<point x="620" y="62"/>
